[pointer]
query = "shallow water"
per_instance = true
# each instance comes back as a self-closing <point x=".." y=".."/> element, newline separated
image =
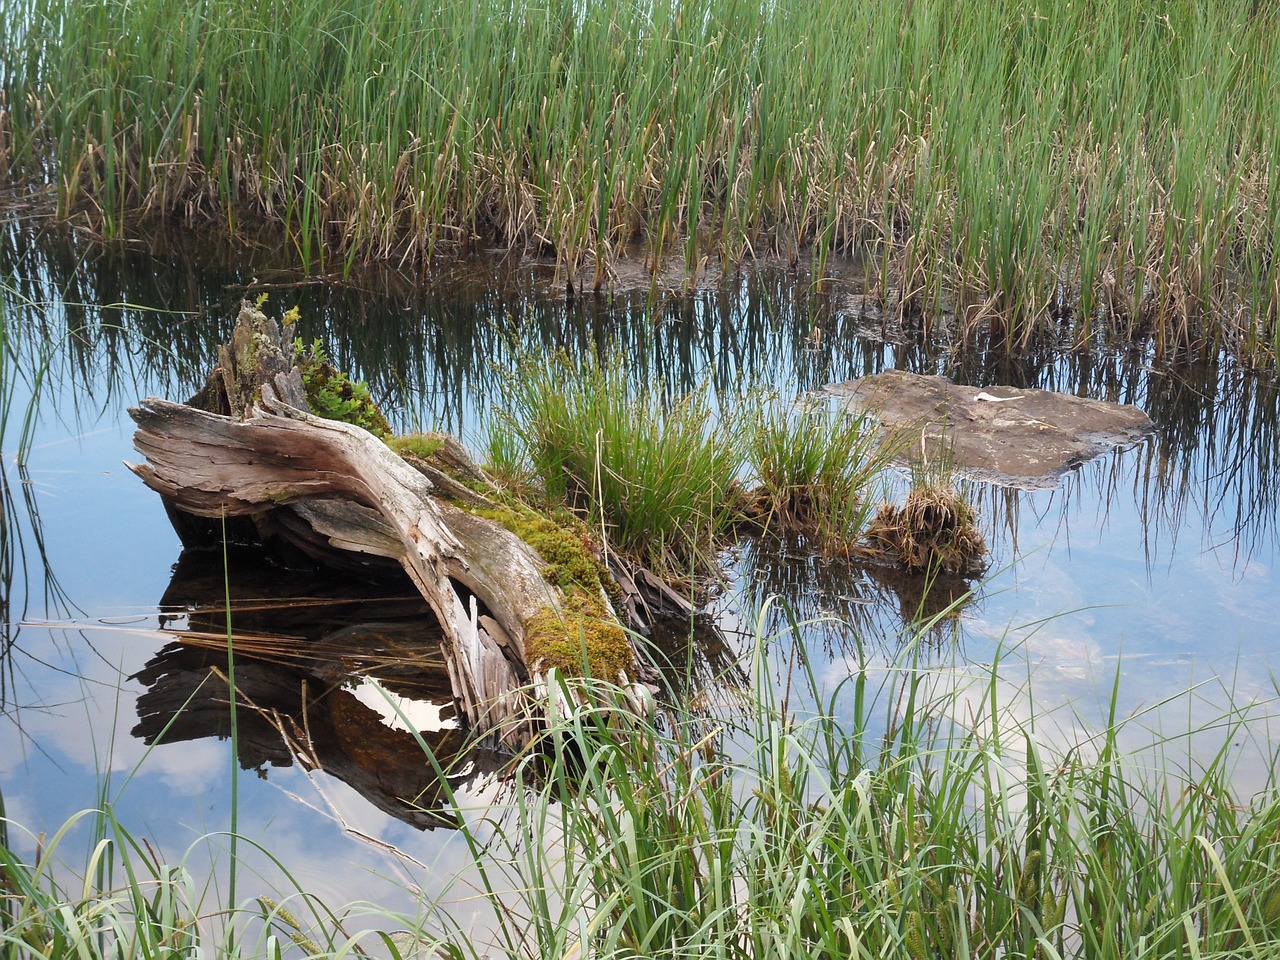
<point x="1152" y="567"/>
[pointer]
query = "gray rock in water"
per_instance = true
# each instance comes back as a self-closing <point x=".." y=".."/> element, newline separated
<point x="1013" y="437"/>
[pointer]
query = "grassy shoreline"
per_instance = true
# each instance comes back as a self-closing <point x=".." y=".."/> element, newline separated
<point x="1098" y="163"/>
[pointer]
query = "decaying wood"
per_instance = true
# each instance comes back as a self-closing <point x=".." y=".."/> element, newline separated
<point x="326" y="484"/>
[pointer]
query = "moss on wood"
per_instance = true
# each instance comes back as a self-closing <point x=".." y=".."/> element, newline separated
<point x="421" y="445"/>
<point x="563" y="542"/>
<point x="581" y="638"/>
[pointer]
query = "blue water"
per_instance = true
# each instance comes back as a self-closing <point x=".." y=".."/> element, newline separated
<point x="1152" y="568"/>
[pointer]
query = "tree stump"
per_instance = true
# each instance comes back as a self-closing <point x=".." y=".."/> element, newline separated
<point x="247" y="447"/>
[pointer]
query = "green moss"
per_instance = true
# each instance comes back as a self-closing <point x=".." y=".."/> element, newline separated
<point x="334" y="395"/>
<point x="564" y="543"/>
<point x="582" y="638"/>
<point x="420" y="445"/>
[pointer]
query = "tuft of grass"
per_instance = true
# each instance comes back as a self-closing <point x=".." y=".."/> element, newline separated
<point x="816" y="470"/>
<point x="934" y="531"/>
<point x="130" y="903"/>
<point x="944" y="828"/>
<point x="658" y="479"/>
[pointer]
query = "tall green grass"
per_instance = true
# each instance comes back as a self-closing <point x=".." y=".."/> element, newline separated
<point x="1105" y="162"/>
<point x="657" y="480"/>
<point x="907" y="813"/>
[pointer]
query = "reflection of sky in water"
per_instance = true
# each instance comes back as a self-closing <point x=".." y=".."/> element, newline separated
<point x="1121" y="568"/>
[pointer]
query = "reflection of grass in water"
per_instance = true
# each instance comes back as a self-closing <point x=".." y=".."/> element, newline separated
<point x="1214" y="460"/>
<point x="23" y="367"/>
<point x="842" y="603"/>
<point x="929" y="820"/>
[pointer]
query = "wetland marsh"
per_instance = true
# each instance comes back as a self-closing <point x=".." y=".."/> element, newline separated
<point x="1072" y="754"/>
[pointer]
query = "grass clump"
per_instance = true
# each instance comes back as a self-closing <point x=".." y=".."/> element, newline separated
<point x="334" y="395"/>
<point x="580" y="639"/>
<point x="815" y="467"/>
<point x="130" y="903"/>
<point x="934" y="531"/>
<point x="659" y="479"/>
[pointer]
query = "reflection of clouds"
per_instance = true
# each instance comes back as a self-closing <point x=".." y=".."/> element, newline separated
<point x="88" y="708"/>
<point x="1053" y="683"/>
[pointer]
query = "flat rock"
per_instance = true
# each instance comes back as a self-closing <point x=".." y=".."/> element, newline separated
<point x="1013" y="437"/>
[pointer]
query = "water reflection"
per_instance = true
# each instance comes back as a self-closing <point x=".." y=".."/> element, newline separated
<point x="329" y="674"/>
<point x="847" y="604"/>
<point x="435" y="353"/>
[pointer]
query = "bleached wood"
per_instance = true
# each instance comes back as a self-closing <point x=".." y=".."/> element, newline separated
<point x="483" y="582"/>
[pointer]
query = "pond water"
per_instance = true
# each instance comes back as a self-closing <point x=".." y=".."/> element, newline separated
<point x="1152" y="569"/>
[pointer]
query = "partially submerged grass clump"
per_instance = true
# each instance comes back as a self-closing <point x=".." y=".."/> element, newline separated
<point x="658" y="479"/>
<point x="934" y="531"/>
<point x="816" y="469"/>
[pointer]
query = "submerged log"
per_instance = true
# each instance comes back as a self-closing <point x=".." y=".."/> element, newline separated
<point x="328" y="484"/>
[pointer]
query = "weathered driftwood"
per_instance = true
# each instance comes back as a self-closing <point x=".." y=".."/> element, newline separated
<point x="345" y="489"/>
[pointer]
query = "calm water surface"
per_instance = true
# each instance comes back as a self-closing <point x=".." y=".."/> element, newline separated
<point x="1155" y="564"/>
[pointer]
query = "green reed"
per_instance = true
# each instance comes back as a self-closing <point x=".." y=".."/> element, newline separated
<point x="1108" y="161"/>
<point x="908" y="813"/>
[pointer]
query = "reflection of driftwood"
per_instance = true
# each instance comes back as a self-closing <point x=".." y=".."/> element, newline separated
<point x="285" y="715"/>
<point x="483" y="583"/>
<point x="300" y="642"/>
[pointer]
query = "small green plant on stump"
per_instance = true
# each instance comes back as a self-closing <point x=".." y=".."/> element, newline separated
<point x="421" y="445"/>
<point x="334" y="395"/>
